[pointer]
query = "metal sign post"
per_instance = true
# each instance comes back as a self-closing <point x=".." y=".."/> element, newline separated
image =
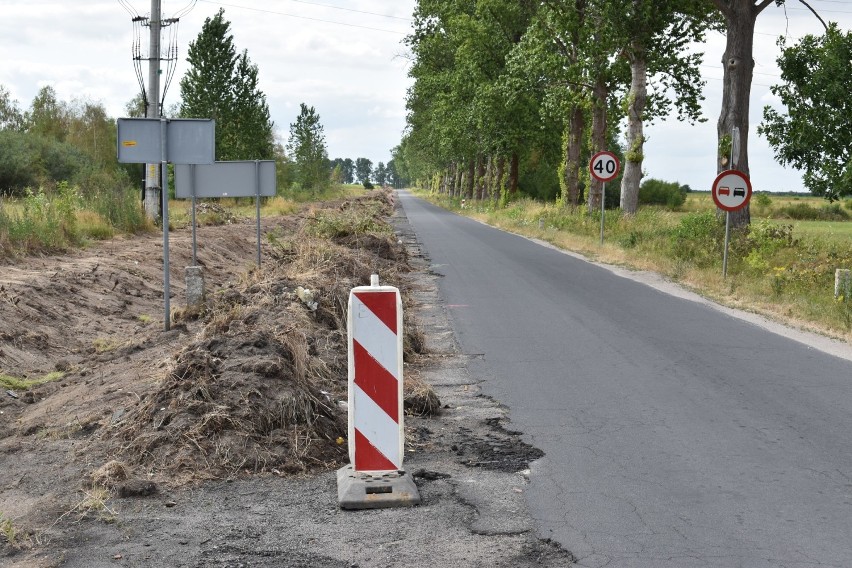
<point x="164" y="174"/>
<point x="257" y="203"/>
<point x="194" y="224"/>
<point x="727" y="244"/>
<point x="604" y="167"/>
<point x="731" y="192"/>
<point x="162" y="140"/>
<point x="603" y="210"/>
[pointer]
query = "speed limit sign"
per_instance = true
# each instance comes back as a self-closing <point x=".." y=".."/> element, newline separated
<point x="604" y="166"/>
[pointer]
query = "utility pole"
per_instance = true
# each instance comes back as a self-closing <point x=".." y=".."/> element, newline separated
<point x="153" y="183"/>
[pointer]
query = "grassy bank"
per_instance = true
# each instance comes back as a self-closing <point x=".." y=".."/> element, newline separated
<point x="55" y="219"/>
<point x="782" y="268"/>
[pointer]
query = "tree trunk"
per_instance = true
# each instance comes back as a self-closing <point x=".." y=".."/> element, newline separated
<point x="468" y="183"/>
<point x="599" y="108"/>
<point x="573" y="140"/>
<point x="636" y="100"/>
<point x="738" y="65"/>
<point x="480" y="178"/>
<point x="489" y="177"/>
<point x="498" y="184"/>
<point x="575" y="150"/>
<point x="576" y="123"/>
<point x="513" y="174"/>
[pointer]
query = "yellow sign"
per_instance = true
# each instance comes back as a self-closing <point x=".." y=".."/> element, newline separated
<point x="128" y="143"/>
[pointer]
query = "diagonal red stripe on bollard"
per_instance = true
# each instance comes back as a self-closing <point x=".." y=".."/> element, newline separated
<point x="367" y="457"/>
<point x="383" y="305"/>
<point x="376" y="382"/>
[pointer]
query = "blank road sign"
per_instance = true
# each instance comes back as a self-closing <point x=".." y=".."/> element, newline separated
<point x="225" y="179"/>
<point x="188" y="141"/>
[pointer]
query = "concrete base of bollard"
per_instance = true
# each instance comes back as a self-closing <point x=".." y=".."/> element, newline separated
<point x="359" y="490"/>
<point x="194" y="287"/>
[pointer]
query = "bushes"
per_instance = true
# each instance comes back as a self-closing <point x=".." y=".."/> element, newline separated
<point x="28" y="160"/>
<point x="805" y="212"/>
<point x="657" y="192"/>
<point x="698" y="238"/>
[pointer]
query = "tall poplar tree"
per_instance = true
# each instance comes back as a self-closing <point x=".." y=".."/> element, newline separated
<point x="654" y="38"/>
<point x="223" y="85"/>
<point x="738" y="64"/>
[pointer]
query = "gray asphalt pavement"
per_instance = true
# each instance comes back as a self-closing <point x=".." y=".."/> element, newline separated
<point x="675" y="435"/>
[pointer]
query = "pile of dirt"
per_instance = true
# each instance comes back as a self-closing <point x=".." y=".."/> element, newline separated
<point x="260" y="390"/>
<point x="253" y="382"/>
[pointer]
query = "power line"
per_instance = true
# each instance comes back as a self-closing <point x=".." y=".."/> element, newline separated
<point x="773" y="75"/>
<point x="821" y="10"/>
<point x="307" y="17"/>
<point x="352" y="10"/>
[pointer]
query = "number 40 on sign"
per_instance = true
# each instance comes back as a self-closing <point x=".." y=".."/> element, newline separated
<point x="604" y="166"/>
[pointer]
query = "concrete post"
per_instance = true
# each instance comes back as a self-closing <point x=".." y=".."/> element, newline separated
<point x="194" y="287"/>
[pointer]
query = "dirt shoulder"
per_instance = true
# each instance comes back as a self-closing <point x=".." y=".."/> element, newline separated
<point x="216" y="444"/>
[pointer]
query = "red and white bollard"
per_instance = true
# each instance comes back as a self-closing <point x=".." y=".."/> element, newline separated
<point x="375" y="477"/>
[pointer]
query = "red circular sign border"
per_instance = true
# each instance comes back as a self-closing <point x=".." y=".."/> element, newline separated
<point x="716" y="197"/>
<point x="617" y="165"/>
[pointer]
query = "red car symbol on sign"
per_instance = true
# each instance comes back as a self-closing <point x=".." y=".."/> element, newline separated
<point x="731" y="190"/>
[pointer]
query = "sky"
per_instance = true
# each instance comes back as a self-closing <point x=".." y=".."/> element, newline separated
<point x="347" y="60"/>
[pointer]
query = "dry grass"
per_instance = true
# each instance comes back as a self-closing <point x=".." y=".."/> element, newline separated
<point x="258" y="390"/>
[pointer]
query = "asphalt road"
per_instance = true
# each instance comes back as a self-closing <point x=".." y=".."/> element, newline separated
<point x="675" y="435"/>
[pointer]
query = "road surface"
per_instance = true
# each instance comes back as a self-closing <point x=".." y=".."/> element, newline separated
<point x="675" y="434"/>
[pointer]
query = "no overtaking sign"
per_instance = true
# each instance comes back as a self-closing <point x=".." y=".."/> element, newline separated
<point x="731" y="190"/>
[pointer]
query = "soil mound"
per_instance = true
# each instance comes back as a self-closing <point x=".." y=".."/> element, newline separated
<point x="260" y="389"/>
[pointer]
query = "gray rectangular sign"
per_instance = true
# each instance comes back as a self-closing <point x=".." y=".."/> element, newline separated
<point x="188" y="141"/>
<point x="225" y="179"/>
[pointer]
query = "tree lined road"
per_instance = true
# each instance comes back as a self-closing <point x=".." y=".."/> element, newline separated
<point x="675" y="435"/>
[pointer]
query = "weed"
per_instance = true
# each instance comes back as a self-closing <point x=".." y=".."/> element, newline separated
<point x="93" y="226"/>
<point x="698" y="238"/>
<point x="95" y="503"/>
<point x="105" y="345"/>
<point x="15" y="539"/>
<point x="23" y="384"/>
<point x="8" y="530"/>
<point x="844" y="310"/>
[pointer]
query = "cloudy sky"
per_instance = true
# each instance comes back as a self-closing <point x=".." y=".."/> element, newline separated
<point x="345" y="58"/>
